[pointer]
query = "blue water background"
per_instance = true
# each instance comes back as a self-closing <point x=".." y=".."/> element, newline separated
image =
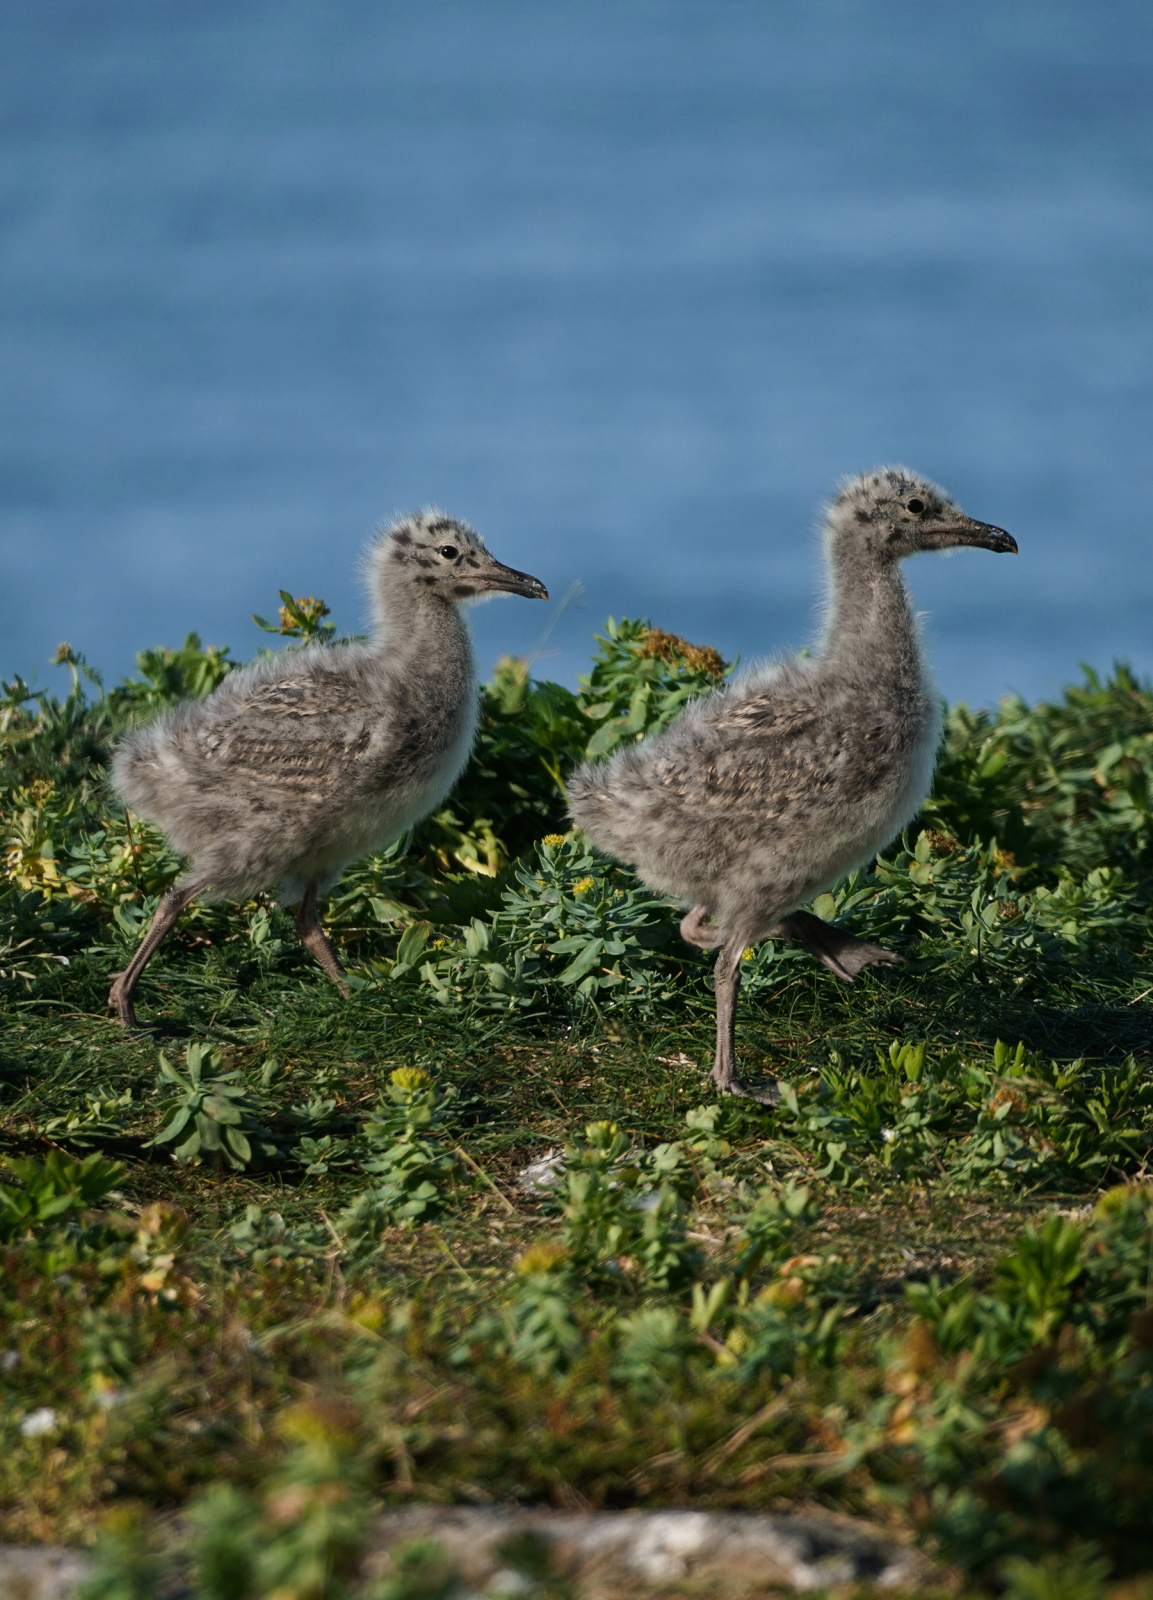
<point x="627" y="284"/>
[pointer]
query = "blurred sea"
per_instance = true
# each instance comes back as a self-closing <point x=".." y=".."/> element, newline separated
<point x="629" y="285"/>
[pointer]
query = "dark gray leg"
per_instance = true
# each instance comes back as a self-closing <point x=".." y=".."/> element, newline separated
<point x="727" y="982"/>
<point x="315" y="938"/>
<point x="167" y="912"/>
<point x="841" y="952"/>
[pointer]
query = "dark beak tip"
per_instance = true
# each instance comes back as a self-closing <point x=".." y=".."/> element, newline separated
<point x="994" y="538"/>
<point x="512" y="581"/>
<point x="532" y="588"/>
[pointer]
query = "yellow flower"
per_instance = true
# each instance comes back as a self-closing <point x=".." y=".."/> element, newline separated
<point x="310" y="608"/>
<point x="410" y="1078"/>
<point x="325" y="1422"/>
<point x="1117" y="1198"/>
<point x="583" y="885"/>
<point x="553" y="839"/>
<point x="749" y="953"/>
<point x="544" y="1256"/>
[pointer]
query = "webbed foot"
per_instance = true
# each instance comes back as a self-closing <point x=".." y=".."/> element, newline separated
<point x="120" y="1001"/>
<point x="843" y="953"/>
<point x="767" y="1093"/>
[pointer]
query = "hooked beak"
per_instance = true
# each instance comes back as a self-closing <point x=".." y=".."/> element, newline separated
<point x="967" y="531"/>
<point x="509" y="581"/>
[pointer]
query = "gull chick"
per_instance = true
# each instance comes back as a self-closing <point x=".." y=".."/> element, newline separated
<point x="766" y="792"/>
<point x="297" y="765"/>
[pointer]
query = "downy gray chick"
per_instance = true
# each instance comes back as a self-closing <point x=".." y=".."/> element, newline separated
<point x="765" y="792"/>
<point x="299" y="764"/>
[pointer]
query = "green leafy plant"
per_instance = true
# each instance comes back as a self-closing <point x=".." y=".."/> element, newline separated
<point x="168" y="676"/>
<point x="406" y="1153"/>
<point x="266" y="1240"/>
<point x="1014" y="1120"/>
<point x="127" y="1564"/>
<point x="543" y="1330"/>
<point x="624" y="1219"/>
<point x="53" y="1190"/>
<point x="299" y="619"/>
<point x="211" y="1113"/>
<point x="571" y="926"/>
<point x="641" y="680"/>
<point x="103" y="1119"/>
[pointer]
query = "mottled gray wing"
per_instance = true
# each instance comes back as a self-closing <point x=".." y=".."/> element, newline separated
<point x="292" y="735"/>
<point x="747" y="750"/>
<point x="792" y="753"/>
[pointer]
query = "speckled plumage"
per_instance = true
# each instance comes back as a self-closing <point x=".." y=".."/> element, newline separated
<point x="297" y="765"/>
<point x="767" y="791"/>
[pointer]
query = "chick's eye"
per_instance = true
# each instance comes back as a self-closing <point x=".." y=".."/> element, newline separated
<point x="914" y="504"/>
<point x="448" y="551"/>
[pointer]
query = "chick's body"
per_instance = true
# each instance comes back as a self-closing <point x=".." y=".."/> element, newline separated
<point x="294" y="767"/>
<point x="299" y="764"/>
<point x="765" y="793"/>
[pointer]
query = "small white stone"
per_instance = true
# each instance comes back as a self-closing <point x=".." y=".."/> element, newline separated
<point x="543" y="1173"/>
<point x="42" y="1420"/>
<point x="665" y="1543"/>
<point x="506" y="1582"/>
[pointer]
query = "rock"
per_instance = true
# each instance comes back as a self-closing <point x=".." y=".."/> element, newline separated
<point x="728" y="1555"/>
<point x="46" y="1572"/>
<point x="542" y="1174"/>
<point x="605" y="1555"/>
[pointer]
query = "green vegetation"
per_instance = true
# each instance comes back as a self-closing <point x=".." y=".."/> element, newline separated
<point x="275" y="1262"/>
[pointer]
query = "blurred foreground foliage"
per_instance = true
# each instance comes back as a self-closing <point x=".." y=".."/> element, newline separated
<point x="286" y="1260"/>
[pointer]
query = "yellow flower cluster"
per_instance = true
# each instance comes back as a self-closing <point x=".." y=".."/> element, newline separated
<point x="410" y="1078"/>
<point x="311" y="608"/>
<point x="546" y="1256"/>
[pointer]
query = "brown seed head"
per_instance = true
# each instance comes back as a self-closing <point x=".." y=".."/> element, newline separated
<point x="676" y="651"/>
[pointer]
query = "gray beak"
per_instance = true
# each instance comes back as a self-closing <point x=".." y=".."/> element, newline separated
<point x="982" y="534"/>
<point x="510" y="581"/>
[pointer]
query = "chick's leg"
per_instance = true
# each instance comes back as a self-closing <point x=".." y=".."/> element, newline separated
<point x="727" y="982"/>
<point x="841" y="952"/>
<point x="167" y="912"/>
<point x="315" y="939"/>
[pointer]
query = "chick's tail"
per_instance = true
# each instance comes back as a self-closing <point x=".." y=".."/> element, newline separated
<point x="589" y="798"/>
<point x="597" y="808"/>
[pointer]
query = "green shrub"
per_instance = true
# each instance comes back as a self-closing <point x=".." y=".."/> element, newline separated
<point x="54" y="1190"/>
<point x="405" y="1150"/>
<point x="212" y="1114"/>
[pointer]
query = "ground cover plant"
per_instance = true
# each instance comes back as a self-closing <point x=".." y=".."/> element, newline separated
<point x="483" y="1233"/>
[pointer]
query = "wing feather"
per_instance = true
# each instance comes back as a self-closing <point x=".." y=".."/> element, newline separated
<point x="297" y="735"/>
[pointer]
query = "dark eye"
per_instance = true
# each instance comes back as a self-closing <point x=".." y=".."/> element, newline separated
<point x="910" y="505"/>
<point x="448" y="551"/>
